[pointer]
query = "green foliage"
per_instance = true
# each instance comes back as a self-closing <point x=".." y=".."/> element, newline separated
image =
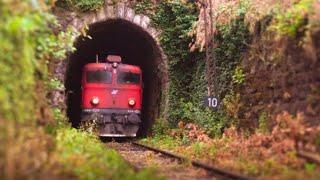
<point x="310" y="167"/>
<point x="145" y="7"/>
<point x="56" y="46"/>
<point x="231" y="104"/>
<point x="23" y="58"/>
<point x="212" y="121"/>
<point x="263" y="122"/>
<point x="176" y="20"/>
<point x="161" y="126"/>
<point x="187" y="84"/>
<point x="83" y="154"/>
<point x="238" y="76"/>
<point x="59" y="117"/>
<point x="55" y="84"/>
<point x="81" y="5"/>
<point x="90" y="126"/>
<point x="28" y="44"/>
<point x="294" y="20"/>
<point x="197" y="148"/>
<point x="163" y="141"/>
<point x="232" y="40"/>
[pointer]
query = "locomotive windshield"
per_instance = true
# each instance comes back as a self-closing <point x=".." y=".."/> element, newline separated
<point x="128" y="78"/>
<point x="99" y="76"/>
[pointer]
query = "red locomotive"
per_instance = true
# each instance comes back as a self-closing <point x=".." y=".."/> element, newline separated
<point x="112" y="95"/>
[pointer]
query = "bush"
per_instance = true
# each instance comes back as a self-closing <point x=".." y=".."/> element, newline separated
<point x="212" y="121"/>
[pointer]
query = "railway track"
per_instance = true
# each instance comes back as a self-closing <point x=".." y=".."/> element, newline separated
<point x="310" y="157"/>
<point x="215" y="171"/>
<point x="171" y="165"/>
<point x="140" y="157"/>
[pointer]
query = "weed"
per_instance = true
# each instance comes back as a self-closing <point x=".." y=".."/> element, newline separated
<point x="197" y="148"/>
<point x="160" y="126"/>
<point x="185" y="140"/>
<point x="212" y="151"/>
<point x="238" y="77"/>
<point x="310" y="167"/>
<point x="232" y="104"/>
<point x="252" y="169"/>
<point x="263" y="123"/>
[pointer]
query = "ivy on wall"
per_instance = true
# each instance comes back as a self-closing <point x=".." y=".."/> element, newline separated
<point x="187" y="69"/>
<point x="187" y="84"/>
<point x="176" y="20"/>
<point x="232" y="41"/>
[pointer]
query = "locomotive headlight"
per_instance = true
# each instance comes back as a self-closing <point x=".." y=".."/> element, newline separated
<point x="95" y="100"/>
<point x="132" y="102"/>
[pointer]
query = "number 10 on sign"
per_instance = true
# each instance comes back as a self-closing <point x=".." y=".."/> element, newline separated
<point x="211" y="102"/>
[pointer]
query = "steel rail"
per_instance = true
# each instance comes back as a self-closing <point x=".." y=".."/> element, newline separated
<point x="309" y="157"/>
<point x="212" y="169"/>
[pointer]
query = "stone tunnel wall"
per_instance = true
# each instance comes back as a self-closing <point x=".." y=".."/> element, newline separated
<point x="83" y="22"/>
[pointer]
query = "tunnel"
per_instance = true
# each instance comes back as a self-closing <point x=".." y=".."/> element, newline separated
<point x="136" y="47"/>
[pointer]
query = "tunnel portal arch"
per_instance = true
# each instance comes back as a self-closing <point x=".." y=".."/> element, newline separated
<point x="135" y="42"/>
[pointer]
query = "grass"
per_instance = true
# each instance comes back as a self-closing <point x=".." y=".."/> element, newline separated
<point x="87" y="158"/>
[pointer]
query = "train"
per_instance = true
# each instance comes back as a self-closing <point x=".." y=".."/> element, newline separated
<point x="112" y="97"/>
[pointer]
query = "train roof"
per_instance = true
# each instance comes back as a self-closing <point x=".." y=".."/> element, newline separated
<point x="109" y="65"/>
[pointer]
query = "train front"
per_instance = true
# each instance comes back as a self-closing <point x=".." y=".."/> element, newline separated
<point x="112" y="97"/>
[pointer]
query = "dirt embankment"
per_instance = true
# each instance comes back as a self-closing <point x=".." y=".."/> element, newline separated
<point x="292" y="84"/>
<point x="283" y="67"/>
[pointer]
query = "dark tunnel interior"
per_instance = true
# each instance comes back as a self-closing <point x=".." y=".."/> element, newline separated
<point x="135" y="46"/>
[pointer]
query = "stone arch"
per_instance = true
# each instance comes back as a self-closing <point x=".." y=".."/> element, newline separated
<point x="119" y="29"/>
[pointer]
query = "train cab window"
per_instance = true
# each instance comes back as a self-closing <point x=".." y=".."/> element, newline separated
<point x="128" y="78"/>
<point x="99" y="76"/>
